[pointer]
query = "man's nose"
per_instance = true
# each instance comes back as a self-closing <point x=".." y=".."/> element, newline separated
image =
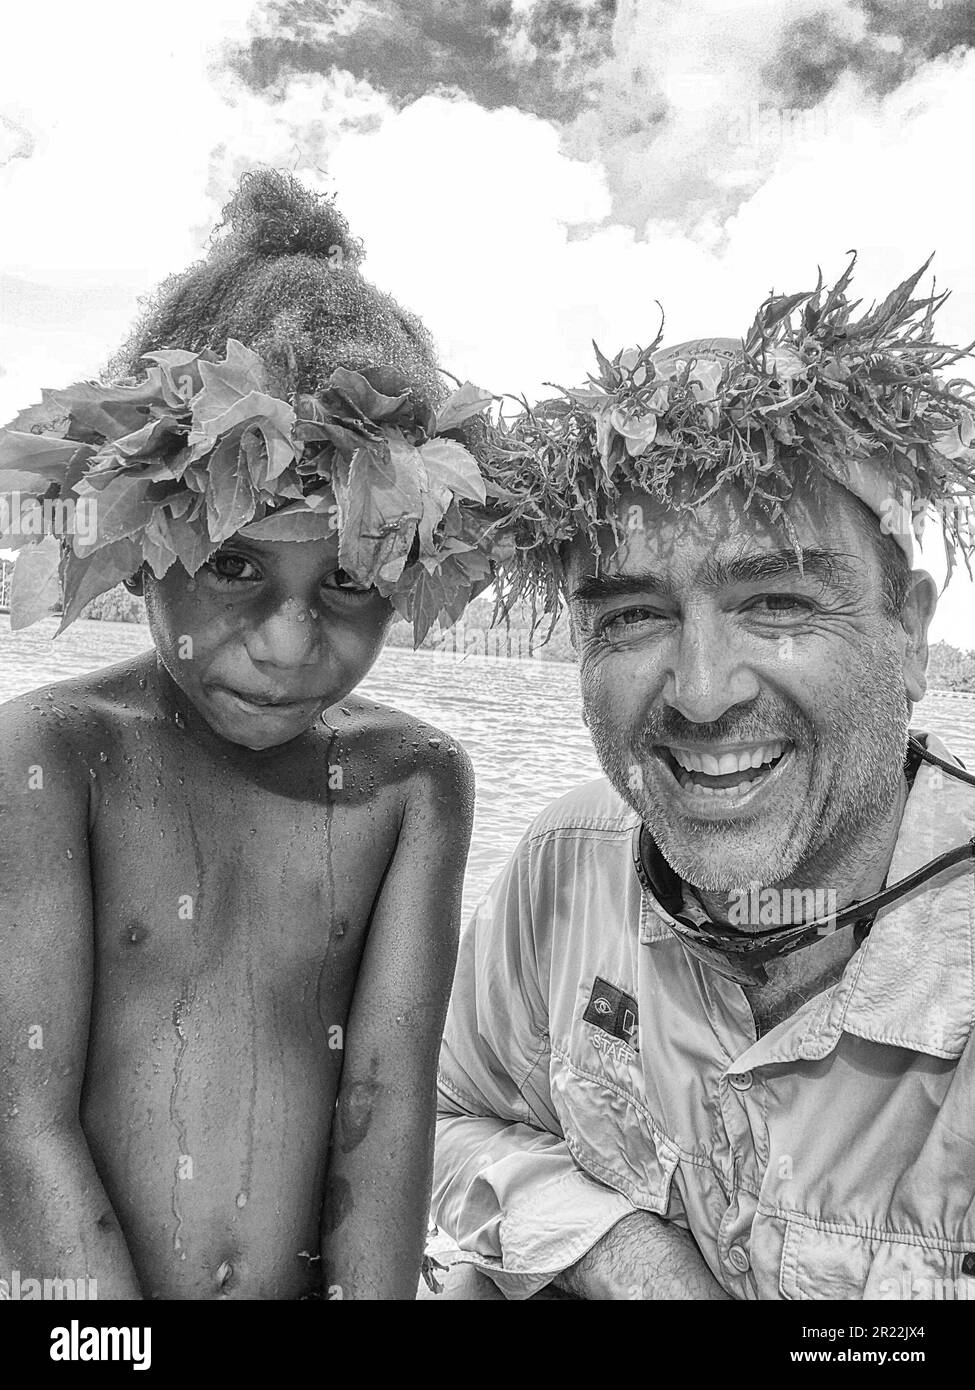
<point x="709" y="673"/>
<point x="287" y="635"/>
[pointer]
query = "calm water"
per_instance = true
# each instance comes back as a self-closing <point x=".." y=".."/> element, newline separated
<point x="520" y="721"/>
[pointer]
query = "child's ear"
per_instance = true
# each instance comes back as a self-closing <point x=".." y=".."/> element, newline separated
<point x="134" y="583"/>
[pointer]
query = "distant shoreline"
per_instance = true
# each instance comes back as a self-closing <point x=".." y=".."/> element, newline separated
<point x="506" y="660"/>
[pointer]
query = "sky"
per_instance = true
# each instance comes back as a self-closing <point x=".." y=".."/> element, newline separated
<point x="526" y="175"/>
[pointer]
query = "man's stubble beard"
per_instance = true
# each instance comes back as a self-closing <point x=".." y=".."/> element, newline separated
<point x="857" y="757"/>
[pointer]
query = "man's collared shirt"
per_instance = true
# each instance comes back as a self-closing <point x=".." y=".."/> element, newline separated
<point x="591" y="1066"/>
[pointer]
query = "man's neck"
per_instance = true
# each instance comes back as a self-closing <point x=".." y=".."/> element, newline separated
<point x="848" y="872"/>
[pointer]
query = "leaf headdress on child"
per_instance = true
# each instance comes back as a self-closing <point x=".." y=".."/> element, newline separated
<point x="198" y="450"/>
<point x="323" y="424"/>
<point x="809" y="392"/>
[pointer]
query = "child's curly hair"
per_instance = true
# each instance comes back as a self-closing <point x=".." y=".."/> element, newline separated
<point x="285" y="281"/>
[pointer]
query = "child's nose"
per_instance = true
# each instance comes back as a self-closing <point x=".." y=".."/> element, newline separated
<point x="286" y="636"/>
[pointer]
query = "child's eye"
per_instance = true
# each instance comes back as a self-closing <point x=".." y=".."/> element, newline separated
<point x="341" y="579"/>
<point x="227" y="566"/>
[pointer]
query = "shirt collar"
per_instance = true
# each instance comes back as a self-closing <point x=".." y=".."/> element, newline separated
<point x="912" y="983"/>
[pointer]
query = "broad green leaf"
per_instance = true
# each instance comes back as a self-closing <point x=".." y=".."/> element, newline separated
<point x="239" y="374"/>
<point x="32" y="484"/>
<point x="191" y="542"/>
<point x="360" y="393"/>
<point x="274" y="418"/>
<point x="468" y="400"/>
<point x="380" y="507"/>
<point x="86" y="578"/>
<point x="120" y="509"/>
<point x="296" y="523"/>
<point x="451" y="465"/>
<point x="153" y="436"/>
<point x="230" y="498"/>
<point x="35" y="587"/>
<point x="37" y="453"/>
<point x="435" y="504"/>
<point x="158" y="550"/>
<point x="343" y="439"/>
<point x="180" y="373"/>
<point x="429" y="596"/>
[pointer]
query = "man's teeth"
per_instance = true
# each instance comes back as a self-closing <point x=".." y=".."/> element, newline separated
<point x="728" y="762"/>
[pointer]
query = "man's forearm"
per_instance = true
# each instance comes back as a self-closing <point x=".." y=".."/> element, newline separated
<point x="642" y="1257"/>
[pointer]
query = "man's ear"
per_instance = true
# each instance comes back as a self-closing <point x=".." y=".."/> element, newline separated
<point x="134" y="584"/>
<point x="915" y="619"/>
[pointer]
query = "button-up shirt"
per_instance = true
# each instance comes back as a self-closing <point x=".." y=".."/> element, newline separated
<point x="591" y="1066"/>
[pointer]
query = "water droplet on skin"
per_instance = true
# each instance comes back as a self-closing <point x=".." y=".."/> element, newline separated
<point x="103" y="757"/>
<point x="241" y="1199"/>
<point x="180" y="721"/>
<point x="69" y="854"/>
<point x="142" y="682"/>
<point x="434" y="742"/>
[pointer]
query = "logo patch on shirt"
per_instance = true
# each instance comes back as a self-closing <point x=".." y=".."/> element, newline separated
<point x="614" y="1012"/>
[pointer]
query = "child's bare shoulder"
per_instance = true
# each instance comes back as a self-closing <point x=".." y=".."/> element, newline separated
<point x="400" y="745"/>
<point x="75" y="716"/>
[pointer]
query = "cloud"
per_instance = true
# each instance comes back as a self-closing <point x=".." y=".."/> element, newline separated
<point x="535" y="57"/>
<point x="685" y="102"/>
<point x="17" y="141"/>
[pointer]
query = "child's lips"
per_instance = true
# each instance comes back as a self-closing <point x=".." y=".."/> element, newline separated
<point x="264" y="706"/>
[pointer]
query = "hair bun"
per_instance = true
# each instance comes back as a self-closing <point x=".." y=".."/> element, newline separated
<point x="272" y="214"/>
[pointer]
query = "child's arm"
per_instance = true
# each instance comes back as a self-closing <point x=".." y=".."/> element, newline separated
<point x="377" y="1199"/>
<point x="55" y="1219"/>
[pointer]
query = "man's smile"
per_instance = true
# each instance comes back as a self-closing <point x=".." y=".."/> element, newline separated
<point x="716" y="779"/>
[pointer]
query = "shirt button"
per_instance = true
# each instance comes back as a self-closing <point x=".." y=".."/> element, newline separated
<point x="741" y="1080"/>
<point x="738" y="1259"/>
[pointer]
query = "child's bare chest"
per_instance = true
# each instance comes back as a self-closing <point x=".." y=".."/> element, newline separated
<point x="194" y="863"/>
<point x="230" y="920"/>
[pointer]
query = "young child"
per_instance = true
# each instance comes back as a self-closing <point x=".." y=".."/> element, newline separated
<point x="229" y="886"/>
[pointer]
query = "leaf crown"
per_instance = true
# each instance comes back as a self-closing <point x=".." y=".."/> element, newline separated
<point x="808" y="391"/>
<point x="198" y="450"/>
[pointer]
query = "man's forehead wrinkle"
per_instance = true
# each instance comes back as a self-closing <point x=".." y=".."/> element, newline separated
<point x="596" y="587"/>
<point x="832" y="568"/>
<point x="817" y="562"/>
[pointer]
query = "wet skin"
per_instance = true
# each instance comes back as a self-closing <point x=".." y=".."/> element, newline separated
<point x="261" y="905"/>
<point x="701" y="635"/>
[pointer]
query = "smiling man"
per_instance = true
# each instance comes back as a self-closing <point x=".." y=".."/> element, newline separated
<point x="701" y="1045"/>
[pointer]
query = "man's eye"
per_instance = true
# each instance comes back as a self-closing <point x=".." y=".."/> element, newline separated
<point x="341" y="579"/>
<point x="228" y="566"/>
<point x="779" y="603"/>
<point x="630" y="618"/>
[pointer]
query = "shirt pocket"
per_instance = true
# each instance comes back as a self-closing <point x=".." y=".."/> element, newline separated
<point x="611" y="1134"/>
<point x="827" y="1261"/>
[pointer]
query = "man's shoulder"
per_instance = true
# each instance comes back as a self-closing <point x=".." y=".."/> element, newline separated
<point x="593" y="809"/>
